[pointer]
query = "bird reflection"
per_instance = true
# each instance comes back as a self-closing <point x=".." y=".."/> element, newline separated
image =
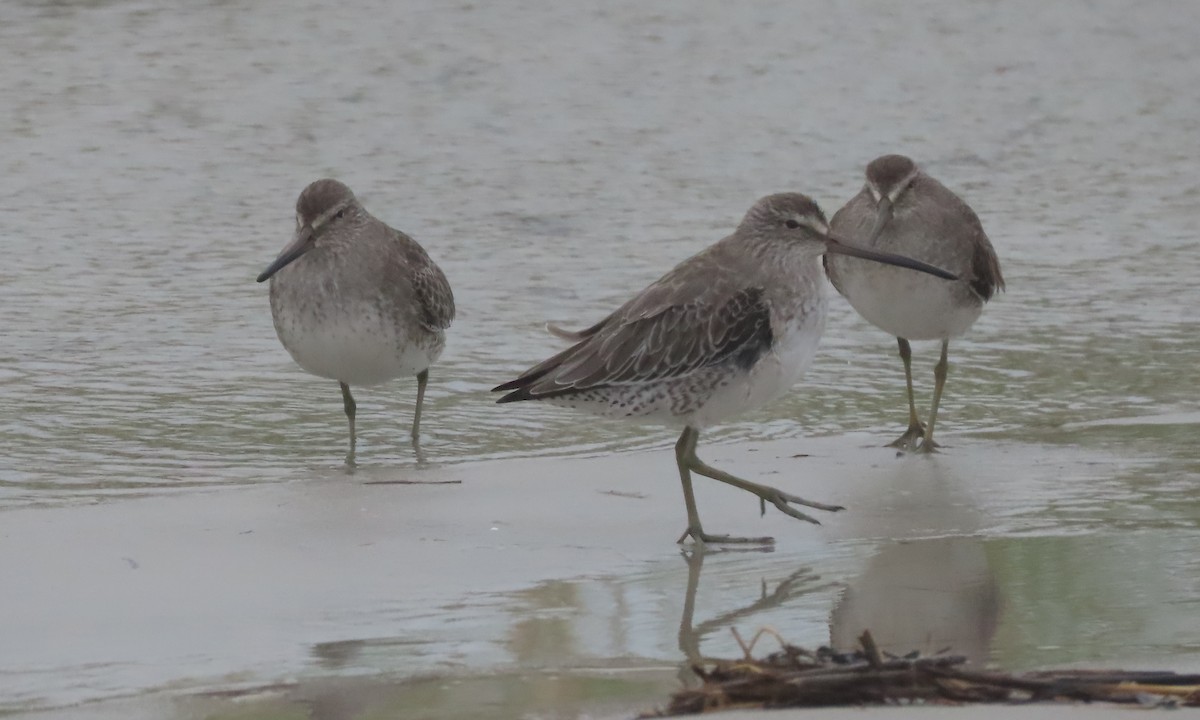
<point x="801" y="582"/>
<point x="930" y="584"/>
<point x="925" y="595"/>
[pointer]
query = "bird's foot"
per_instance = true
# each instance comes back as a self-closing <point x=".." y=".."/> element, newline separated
<point x="701" y="538"/>
<point x="783" y="502"/>
<point x="911" y="438"/>
<point x="928" y="447"/>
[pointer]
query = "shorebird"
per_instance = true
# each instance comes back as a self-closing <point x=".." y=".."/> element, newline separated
<point x="722" y="333"/>
<point x="903" y="210"/>
<point x="356" y="301"/>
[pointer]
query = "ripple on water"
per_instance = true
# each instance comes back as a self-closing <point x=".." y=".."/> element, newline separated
<point x="139" y="349"/>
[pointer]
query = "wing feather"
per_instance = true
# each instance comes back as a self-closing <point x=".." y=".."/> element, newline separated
<point x="662" y="343"/>
<point x="986" y="277"/>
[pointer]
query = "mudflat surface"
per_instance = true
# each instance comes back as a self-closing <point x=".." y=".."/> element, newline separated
<point x="537" y="573"/>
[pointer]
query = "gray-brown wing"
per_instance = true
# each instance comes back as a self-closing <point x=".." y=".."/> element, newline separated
<point x="952" y="217"/>
<point x="431" y="290"/>
<point x="648" y="341"/>
<point x="433" y="293"/>
<point x="986" y="278"/>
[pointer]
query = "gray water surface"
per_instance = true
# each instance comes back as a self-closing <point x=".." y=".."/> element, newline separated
<point x="554" y="158"/>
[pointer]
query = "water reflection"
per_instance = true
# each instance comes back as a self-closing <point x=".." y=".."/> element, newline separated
<point x="930" y="585"/>
<point x="800" y="582"/>
<point x="622" y="642"/>
<point x="571" y="648"/>
<point x="925" y="595"/>
<point x="915" y="497"/>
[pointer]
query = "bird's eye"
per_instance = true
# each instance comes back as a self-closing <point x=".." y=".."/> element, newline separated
<point x="792" y="224"/>
<point x="339" y="214"/>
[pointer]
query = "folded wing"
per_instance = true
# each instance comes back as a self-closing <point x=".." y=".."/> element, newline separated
<point x="669" y="331"/>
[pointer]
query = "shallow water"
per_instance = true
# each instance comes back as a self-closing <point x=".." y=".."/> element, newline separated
<point x="554" y="160"/>
<point x="556" y="157"/>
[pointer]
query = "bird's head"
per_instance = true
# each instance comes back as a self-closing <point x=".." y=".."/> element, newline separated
<point x="795" y="218"/>
<point x="322" y="207"/>
<point x="888" y="178"/>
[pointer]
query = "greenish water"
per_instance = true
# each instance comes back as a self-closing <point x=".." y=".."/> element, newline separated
<point x="615" y="646"/>
<point x="554" y="158"/>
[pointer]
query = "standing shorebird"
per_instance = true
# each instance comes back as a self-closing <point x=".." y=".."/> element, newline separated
<point x="356" y="301"/>
<point x="903" y="210"/>
<point x="723" y="332"/>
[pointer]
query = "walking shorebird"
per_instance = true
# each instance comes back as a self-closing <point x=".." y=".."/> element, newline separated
<point x="903" y="210"/>
<point x="722" y="333"/>
<point x="356" y="301"/>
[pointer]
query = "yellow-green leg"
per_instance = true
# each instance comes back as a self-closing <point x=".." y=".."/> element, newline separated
<point x="916" y="430"/>
<point x="939" y="381"/>
<point x="686" y="459"/>
<point x="349" y="405"/>
<point x="422" y="381"/>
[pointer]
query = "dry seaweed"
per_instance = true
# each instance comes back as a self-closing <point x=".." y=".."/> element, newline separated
<point x="796" y="677"/>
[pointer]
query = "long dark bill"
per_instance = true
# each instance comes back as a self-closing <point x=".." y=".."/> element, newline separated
<point x="882" y="214"/>
<point x="299" y="245"/>
<point x="837" y="247"/>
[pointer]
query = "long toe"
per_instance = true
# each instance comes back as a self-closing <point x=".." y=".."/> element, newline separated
<point x="797" y="500"/>
<point x="781" y="503"/>
<point x="784" y="501"/>
<point x="910" y="439"/>
<point x="699" y="537"/>
<point x="928" y="447"/>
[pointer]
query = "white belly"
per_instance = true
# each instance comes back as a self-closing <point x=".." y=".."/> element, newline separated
<point x="772" y="377"/>
<point x="358" y="349"/>
<point x="907" y="304"/>
<point x="708" y="396"/>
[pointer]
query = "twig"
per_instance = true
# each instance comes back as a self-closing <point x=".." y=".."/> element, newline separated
<point x="795" y="677"/>
<point x="871" y="649"/>
<point x="746" y="649"/>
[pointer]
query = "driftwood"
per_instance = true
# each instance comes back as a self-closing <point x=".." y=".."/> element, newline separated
<point x="796" y="677"/>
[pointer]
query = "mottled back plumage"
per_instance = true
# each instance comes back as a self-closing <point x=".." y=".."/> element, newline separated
<point x="712" y="309"/>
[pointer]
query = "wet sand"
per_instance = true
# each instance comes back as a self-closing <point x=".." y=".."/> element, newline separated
<point x="321" y="582"/>
<point x="979" y="712"/>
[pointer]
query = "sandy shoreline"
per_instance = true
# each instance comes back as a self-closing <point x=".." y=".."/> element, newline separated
<point x="246" y="586"/>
